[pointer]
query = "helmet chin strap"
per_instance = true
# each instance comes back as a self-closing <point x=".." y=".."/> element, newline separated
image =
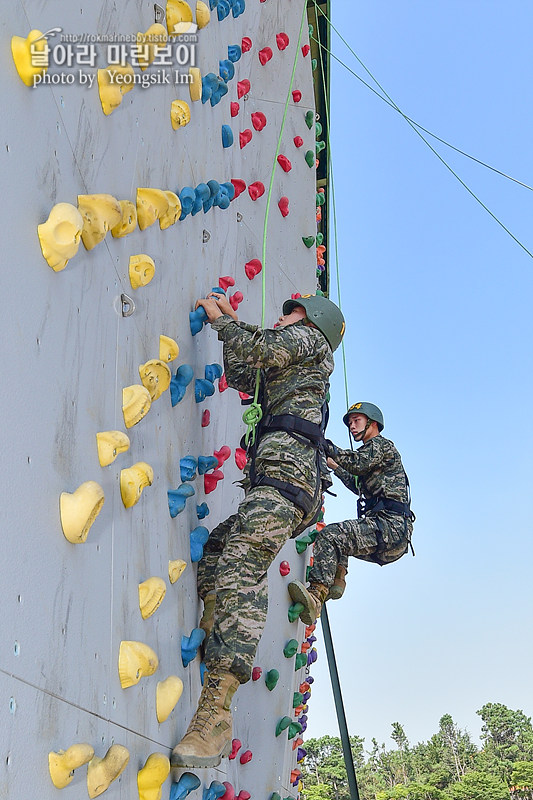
<point x="358" y="437"/>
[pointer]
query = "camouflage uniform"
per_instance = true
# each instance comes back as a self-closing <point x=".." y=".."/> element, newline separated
<point x="296" y="362"/>
<point x="381" y="536"/>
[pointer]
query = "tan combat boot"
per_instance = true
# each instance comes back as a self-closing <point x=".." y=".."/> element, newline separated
<point x="209" y="735"/>
<point x="336" y="591"/>
<point x="311" y="599"/>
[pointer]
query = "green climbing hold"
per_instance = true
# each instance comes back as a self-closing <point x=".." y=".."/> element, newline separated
<point x="294" y="611"/>
<point x="320" y="198"/>
<point x="322" y="294"/>
<point x="309" y="118"/>
<point x="319" y="147"/>
<point x="283" y="724"/>
<point x="302" y="543"/>
<point x="297" y="699"/>
<point x="313" y="534"/>
<point x="308" y="240"/>
<point x="275" y="796"/>
<point x="294" y="728"/>
<point x="310" y="158"/>
<point x="311" y="30"/>
<point x="300" y="661"/>
<point x="290" y="648"/>
<point x="307" y="571"/>
<point x="314" y="64"/>
<point x="318" y="129"/>
<point x="271" y="679"/>
<point x="320" y="240"/>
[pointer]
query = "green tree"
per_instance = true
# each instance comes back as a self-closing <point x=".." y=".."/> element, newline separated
<point x="507" y="737"/>
<point x="522" y="780"/>
<point x="324" y="765"/>
<point x="479" y="786"/>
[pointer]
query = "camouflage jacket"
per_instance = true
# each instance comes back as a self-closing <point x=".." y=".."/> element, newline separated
<point x="295" y="362"/>
<point x="378" y="467"/>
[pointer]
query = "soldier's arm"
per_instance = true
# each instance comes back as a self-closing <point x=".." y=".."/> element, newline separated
<point x="364" y="460"/>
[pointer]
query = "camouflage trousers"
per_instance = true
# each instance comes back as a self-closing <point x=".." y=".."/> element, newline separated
<point x="236" y="558"/>
<point x="382" y="538"/>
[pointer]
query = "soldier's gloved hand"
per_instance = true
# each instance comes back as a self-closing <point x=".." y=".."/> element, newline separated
<point x="330" y="448"/>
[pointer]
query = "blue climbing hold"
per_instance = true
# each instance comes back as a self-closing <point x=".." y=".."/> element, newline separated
<point x="226" y="70"/>
<point x="237" y="8"/>
<point x="197" y="318"/>
<point x="188" y="466"/>
<point x="234" y="52"/>
<point x="203" y="670"/>
<point x="213" y="4"/>
<point x="230" y="188"/>
<point x="201" y="195"/>
<point x="187" y="198"/>
<point x="214" y="791"/>
<point x="198" y="537"/>
<point x="203" y="389"/>
<point x="227" y="136"/>
<point x="179" y="383"/>
<point x="186" y="784"/>
<point x="178" y="497"/>
<point x="190" y="645"/>
<point x="205" y="463"/>
<point x="203" y="509"/>
<point x="213" y="371"/>
<point x="219" y="92"/>
<point x="223" y="9"/>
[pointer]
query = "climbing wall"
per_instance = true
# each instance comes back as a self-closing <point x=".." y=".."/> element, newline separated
<point x="77" y="326"/>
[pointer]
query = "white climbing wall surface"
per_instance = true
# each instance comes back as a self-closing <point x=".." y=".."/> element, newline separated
<point x="74" y="343"/>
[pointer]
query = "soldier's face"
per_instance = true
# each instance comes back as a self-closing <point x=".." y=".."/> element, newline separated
<point x="357" y="423"/>
<point x="296" y="315"/>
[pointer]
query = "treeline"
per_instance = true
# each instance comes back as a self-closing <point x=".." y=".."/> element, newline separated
<point x="447" y="767"/>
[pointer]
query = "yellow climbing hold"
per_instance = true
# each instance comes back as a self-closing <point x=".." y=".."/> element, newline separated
<point x="113" y="83"/>
<point x="141" y="270"/>
<point x="152" y="776"/>
<point x="152" y="204"/>
<point x="180" y="114"/>
<point x="167" y="694"/>
<point x="195" y="83"/>
<point x="133" y="480"/>
<point x="30" y="56"/>
<point x="156" y="376"/>
<point x="60" y="235"/>
<point x="136" y="402"/>
<point x="135" y="661"/>
<point x="175" y="569"/>
<point x="109" y="444"/>
<point x="179" y="17"/>
<point x="101" y="772"/>
<point x="203" y="14"/>
<point x="149" y="42"/>
<point x="79" y="510"/>
<point x="100" y="213"/>
<point x="174" y="210"/>
<point x="168" y="348"/>
<point x="128" y="223"/>
<point x="63" y="763"/>
<point x="151" y="594"/>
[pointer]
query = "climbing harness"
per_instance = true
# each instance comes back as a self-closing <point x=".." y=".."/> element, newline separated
<point x="373" y="504"/>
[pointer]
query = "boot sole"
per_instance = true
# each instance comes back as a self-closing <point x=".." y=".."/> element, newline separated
<point x="192" y="760"/>
<point x="298" y="593"/>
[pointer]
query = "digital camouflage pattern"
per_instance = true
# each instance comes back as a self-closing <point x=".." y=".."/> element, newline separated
<point x="378" y="467"/>
<point x="295" y="362"/>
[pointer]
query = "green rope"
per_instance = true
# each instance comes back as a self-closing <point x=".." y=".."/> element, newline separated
<point x="414" y="127"/>
<point x="252" y="415"/>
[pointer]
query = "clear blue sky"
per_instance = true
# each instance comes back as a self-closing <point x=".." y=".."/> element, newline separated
<point x="439" y="334"/>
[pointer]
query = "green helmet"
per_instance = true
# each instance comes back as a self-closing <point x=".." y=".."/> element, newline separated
<point x="321" y="312"/>
<point x="369" y="410"/>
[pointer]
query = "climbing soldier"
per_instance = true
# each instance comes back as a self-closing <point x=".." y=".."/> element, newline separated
<point x="382" y="532"/>
<point x="286" y="475"/>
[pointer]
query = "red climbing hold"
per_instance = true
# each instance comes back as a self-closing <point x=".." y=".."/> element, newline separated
<point x="235" y="299"/>
<point x="234" y="108"/>
<point x="246" y="44"/>
<point x="256" y="189"/>
<point x="222" y="455"/>
<point x="244" y="137"/>
<point x="240" y="457"/>
<point x="236" y="745"/>
<point x="265" y="55"/>
<point x="298" y="141"/>
<point x="245" y="396"/>
<point x="283" y="206"/>
<point x="222" y="383"/>
<point x="309" y="630"/>
<point x="295" y="296"/>
<point x="206" y="417"/>
<point x="243" y="87"/>
<point x="227" y="280"/>
<point x="239" y="186"/>
<point x="243" y="795"/>
<point x="259" y="120"/>
<point x="282" y="41"/>
<point x="246" y="757"/>
<point x="284" y="568"/>
<point x="253" y="268"/>
<point x="284" y="163"/>
<point x="211" y="480"/>
<point x="304" y="687"/>
<point x="297" y="742"/>
<point x="229" y="794"/>
<point x="256" y="673"/>
<point x="296" y="96"/>
<point x="305" y="49"/>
